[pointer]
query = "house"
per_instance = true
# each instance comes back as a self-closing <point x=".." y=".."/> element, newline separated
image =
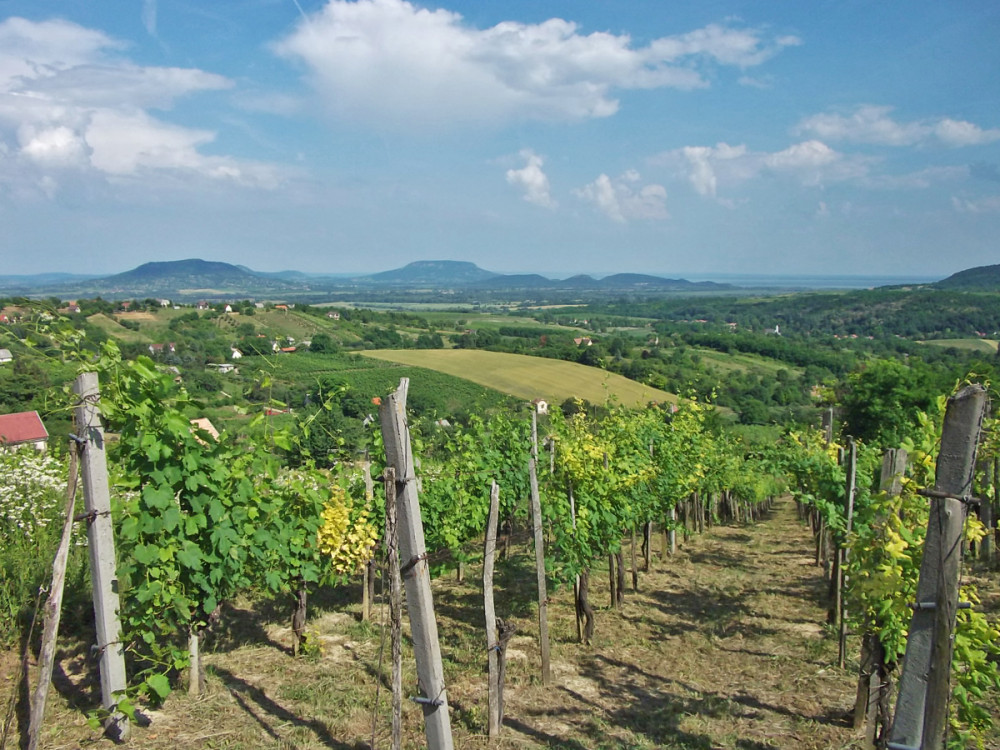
<point x="584" y="341"/>
<point x="6" y="356"/>
<point x="224" y="368"/>
<point x="229" y="308"/>
<point x="72" y="307"/>
<point x="281" y="307"/>
<point x="203" y="305"/>
<point x="237" y="354"/>
<point x="258" y="305"/>
<point x="23" y="428"/>
<point x="204" y="424"/>
<point x="333" y="315"/>
<point x="541" y="405"/>
<point x="157" y="349"/>
<point x="287" y="349"/>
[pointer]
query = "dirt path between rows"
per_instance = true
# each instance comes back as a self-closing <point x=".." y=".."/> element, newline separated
<point x="723" y="646"/>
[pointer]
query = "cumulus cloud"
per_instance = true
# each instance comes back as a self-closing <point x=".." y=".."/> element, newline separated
<point x="874" y="125"/>
<point x="532" y="180"/>
<point x="68" y="101"/>
<point x="398" y="65"/>
<point x="707" y="168"/>
<point x="625" y="198"/>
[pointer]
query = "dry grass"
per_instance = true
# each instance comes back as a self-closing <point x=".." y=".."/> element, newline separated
<point x="722" y="647"/>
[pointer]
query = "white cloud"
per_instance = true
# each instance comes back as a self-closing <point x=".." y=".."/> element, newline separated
<point x="624" y="199"/>
<point x="989" y="204"/>
<point x="148" y="15"/>
<point x="67" y="101"/>
<point x="401" y="66"/>
<point x="708" y="168"/>
<point x="873" y="125"/>
<point x="532" y="180"/>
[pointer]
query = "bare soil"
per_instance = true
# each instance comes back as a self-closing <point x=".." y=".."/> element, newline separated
<point x="723" y="646"/>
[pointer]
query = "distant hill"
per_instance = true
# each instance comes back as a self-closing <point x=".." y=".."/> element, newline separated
<point x="202" y="279"/>
<point x="40" y="279"/>
<point x="979" y="279"/>
<point x="167" y="277"/>
<point x="439" y="273"/>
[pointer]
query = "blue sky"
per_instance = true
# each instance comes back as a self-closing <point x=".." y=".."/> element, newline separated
<point x="681" y="139"/>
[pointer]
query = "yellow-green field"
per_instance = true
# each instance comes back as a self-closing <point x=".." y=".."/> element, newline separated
<point x="979" y="345"/>
<point x="529" y="377"/>
<point x="116" y="330"/>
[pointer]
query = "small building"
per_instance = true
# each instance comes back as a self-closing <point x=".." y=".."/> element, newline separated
<point x="583" y="341"/>
<point x="205" y="425"/>
<point x="333" y="315"/>
<point x="23" y="429"/>
<point x="541" y="405"/>
<point x="224" y="368"/>
<point x="229" y="308"/>
<point x="6" y="356"/>
<point x="237" y="354"/>
<point x="203" y="305"/>
<point x="164" y="303"/>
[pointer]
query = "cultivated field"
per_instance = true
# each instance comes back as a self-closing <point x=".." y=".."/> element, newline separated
<point x="978" y="345"/>
<point x="529" y="377"/>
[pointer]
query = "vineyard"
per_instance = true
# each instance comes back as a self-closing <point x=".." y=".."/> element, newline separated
<point x="698" y="584"/>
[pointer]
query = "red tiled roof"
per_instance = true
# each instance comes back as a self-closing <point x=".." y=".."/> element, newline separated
<point x="23" y="427"/>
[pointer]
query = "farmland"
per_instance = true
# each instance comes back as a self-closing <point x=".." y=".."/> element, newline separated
<point x="530" y="377"/>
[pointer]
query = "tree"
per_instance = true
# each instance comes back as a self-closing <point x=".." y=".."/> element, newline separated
<point x="883" y="399"/>
<point x="323" y="343"/>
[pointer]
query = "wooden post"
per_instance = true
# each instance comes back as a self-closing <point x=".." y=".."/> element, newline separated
<point x="491" y="615"/>
<point x="576" y="581"/>
<point x="536" y="522"/>
<point x="395" y="607"/>
<point x="368" y="580"/>
<point x="433" y="696"/>
<point x="852" y="468"/>
<point x="871" y="703"/>
<point x="828" y="425"/>
<point x="924" y="688"/>
<point x="613" y="580"/>
<point x="635" y="565"/>
<point x="53" y="608"/>
<point x="672" y="534"/>
<point x="196" y="675"/>
<point x="987" y="514"/>
<point x="101" y="542"/>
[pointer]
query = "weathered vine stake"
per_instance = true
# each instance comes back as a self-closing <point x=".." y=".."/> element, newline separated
<point x="101" y="543"/>
<point x="395" y="608"/>
<point x="493" y="685"/>
<point x="852" y="470"/>
<point x="536" y="523"/>
<point x="433" y="697"/>
<point x="53" y="609"/>
<point x="871" y="706"/>
<point x="924" y="688"/>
